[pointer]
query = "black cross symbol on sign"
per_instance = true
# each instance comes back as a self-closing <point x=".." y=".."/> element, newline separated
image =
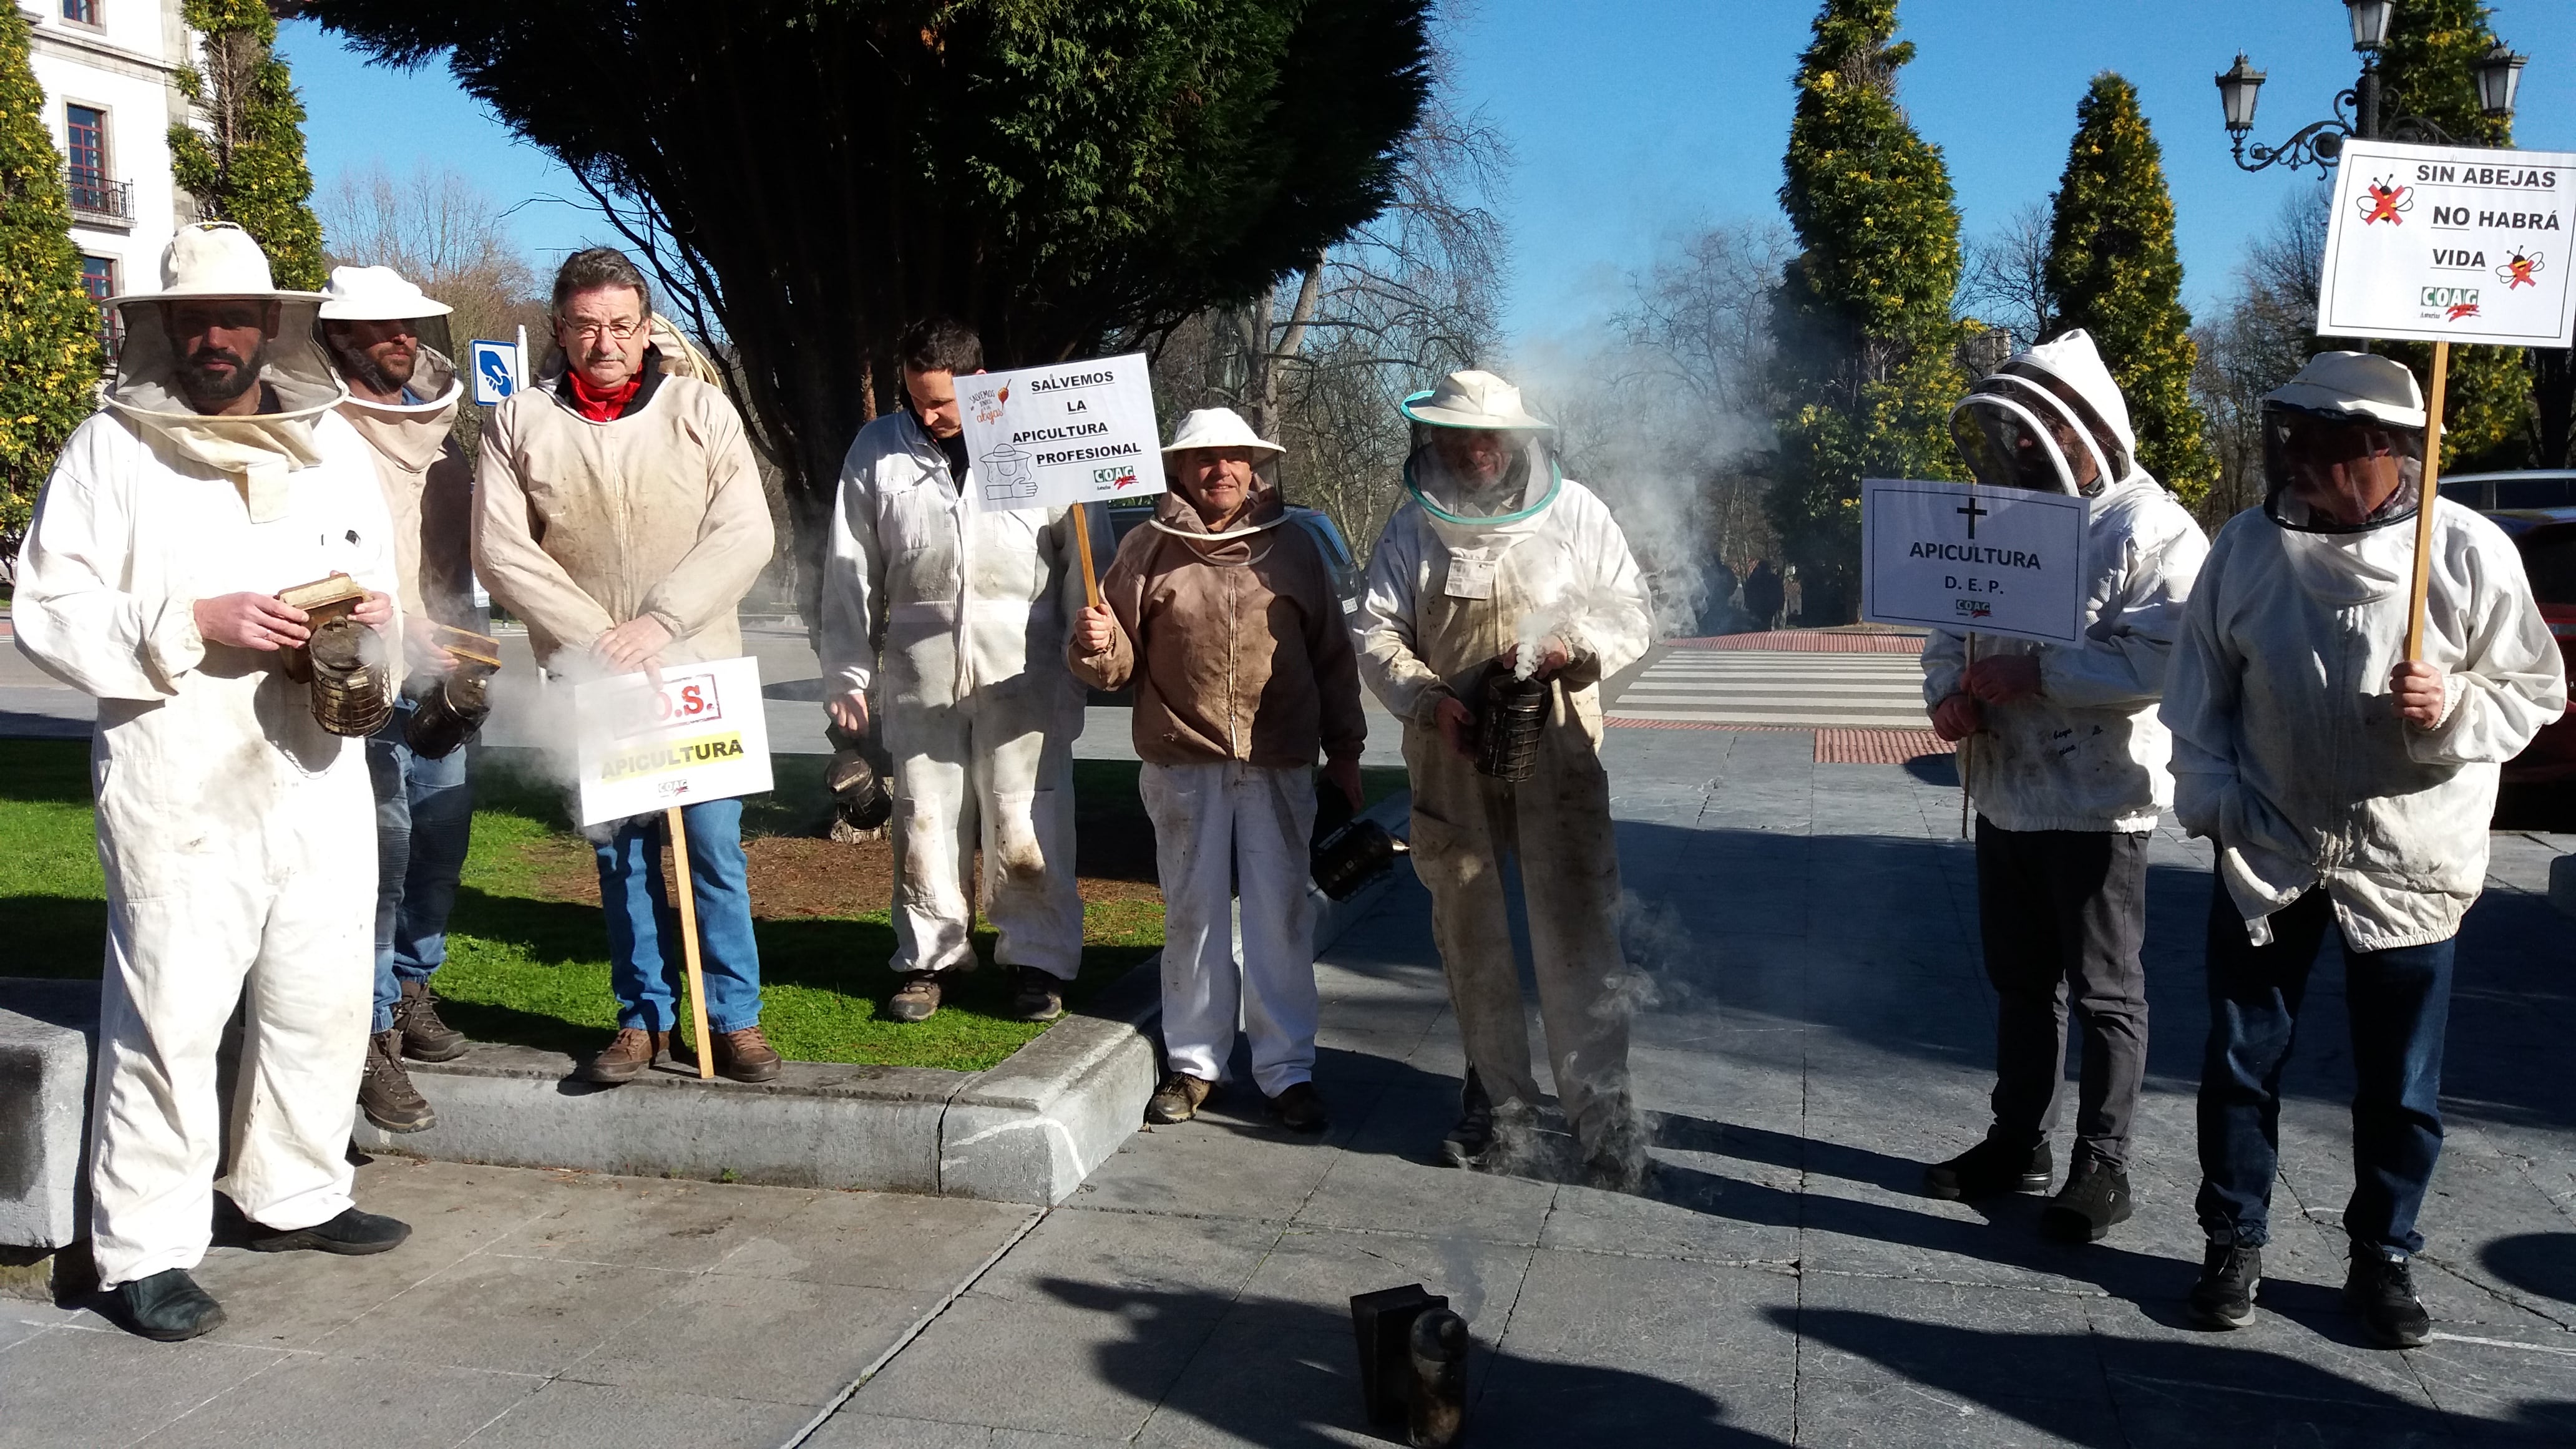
<point x="1974" y="513"/>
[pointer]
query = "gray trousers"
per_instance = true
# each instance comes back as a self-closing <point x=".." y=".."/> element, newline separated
<point x="2063" y="912"/>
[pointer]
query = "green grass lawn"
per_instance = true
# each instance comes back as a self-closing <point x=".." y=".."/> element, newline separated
<point x="527" y="952"/>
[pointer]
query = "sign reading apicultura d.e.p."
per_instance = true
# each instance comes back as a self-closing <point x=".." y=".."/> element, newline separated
<point x="2451" y="243"/>
<point x="1972" y="559"/>
<point x="701" y="734"/>
<point x="1051" y="437"/>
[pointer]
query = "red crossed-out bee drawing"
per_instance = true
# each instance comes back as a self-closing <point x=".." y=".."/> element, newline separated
<point x="2521" y="270"/>
<point x="2383" y="202"/>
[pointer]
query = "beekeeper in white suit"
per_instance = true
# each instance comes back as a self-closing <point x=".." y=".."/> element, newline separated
<point x="2068" y="772"/>
<point x="238" y="835"/>
<point x="944" y="628"/>
<point x="1497" y="561"/>
<point x="2345" y="789"/>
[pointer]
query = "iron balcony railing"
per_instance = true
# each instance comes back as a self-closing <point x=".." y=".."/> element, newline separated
<point x="95" y="195"/>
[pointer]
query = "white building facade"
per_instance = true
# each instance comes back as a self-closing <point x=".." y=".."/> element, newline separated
<point x="106" y="68"/>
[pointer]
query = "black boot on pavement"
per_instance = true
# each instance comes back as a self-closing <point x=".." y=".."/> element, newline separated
<point x="425" y="1038"/>
<point x="1300" y="1108"/>
<point x="1990" y="1169"/>
<point x="385" y="1092"/>
<point x="1469" y="1141"/>
<point x="169" y="1306"/>
<point x="2230" y="1275"/>
<point x="917" y="999"/>
<point x="2094" y="1200"/>
<point x="2381" y="1293"/>
<point x="1178" y="1099"/>
<point x="352" y="1234"/>
<point x="1040" y="996"/>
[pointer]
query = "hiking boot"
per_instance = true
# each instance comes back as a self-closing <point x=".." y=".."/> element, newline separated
<point x="352" y="1234"/>
<point x="1300" y="1108"/>
<point x="168" y="1306"/>
<point x="1989" y="1169"/>
<point x="2230" y="1274"/>
<point x="1469" y="1141"/>
<point x="2095" y="1198"/>
<point x="916" y="999"/>
<point x="626" y="1058"/>
<point x="2380" y="1292"/>
<point x="425" y="1038"/>
<point x="1040" y="996"/>
<point x="746" y="1056"/>
<point x="385" y="1092"/>
<point x="1178" y="1099"/>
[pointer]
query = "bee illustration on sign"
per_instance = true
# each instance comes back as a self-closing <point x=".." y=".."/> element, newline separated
<point x="2383" y="202"/>
<point x="2521" y="270"/>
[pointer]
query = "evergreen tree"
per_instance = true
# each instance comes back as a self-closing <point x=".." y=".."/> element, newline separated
<point x="1866" y="347"/>
<point x="247" y="166"/>
<point x="2428" y="71"/>
<point x="2113" y="271"/>
<point x="48" y="328"/>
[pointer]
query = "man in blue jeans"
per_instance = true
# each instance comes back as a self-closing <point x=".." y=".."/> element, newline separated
<point x="2343" y="786"/>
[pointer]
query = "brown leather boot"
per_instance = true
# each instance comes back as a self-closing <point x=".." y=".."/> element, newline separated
<point x="746" y="1056"/>
<point x="385" y="1092"/>
<point x="916" y="999"/>
<point x="627" y="1057"/>
<point x="425" y="1038"/>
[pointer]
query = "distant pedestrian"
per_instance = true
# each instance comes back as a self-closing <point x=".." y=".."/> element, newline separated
<point x="2344" y="789"/>
<point x="1793" y="596"/>
<point x="1226" y="617"/>
<point x="1763" y="595"/>
<point x="1717" y="612"/>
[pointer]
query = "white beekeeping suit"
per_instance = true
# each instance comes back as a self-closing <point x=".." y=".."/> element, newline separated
<point x="238" y="835"/>
<point x="1463" y="573"/>
<point x="952" y="620"/>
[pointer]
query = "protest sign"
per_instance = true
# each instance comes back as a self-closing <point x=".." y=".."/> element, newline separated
<point x="703" y="734"/>
<point x="2451" y="244"/>
<point x="1962" y="557"/>
<point x="1051" y="437"/>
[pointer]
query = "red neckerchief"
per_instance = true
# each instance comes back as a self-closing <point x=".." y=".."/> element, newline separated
<point x="602" y="407"/>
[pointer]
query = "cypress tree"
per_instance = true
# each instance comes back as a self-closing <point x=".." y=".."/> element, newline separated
<point x="48" y="328"/>
<point x="2113" y="269"/>
<point x="2428" y="71"/>
<point x="1865" y="359"/>
<point x="247" y="166"/>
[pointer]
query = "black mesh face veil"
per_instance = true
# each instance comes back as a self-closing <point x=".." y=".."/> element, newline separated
<point x="2301" y="447"/>
<point x="2005" y="445"/>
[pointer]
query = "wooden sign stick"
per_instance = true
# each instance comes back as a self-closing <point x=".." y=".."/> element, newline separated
<point x="1967" y="742"/>
<point x="689" y="936"/>
<point x="2425" y="498"/>
<point x="1082" y="542"/>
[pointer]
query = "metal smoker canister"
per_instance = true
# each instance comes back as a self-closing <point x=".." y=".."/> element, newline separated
<point x="1353" y="856"/>
<point x="1510" y="714"/>
<point x="451" y="710"/>
<point x="350" y="696"/>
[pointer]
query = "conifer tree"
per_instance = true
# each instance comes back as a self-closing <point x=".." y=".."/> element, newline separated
<point x="2428" y="71"/>
<point x="48" y="328"/>
<point x="2113" y="271"/>
<point x="1865" y="344"/>
<point x="247" y="166"/>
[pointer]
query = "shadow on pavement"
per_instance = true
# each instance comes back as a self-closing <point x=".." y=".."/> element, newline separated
<point x="2537" y="1263"/>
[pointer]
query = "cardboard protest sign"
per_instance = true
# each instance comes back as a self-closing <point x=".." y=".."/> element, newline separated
<point x="2451" y="244"/>
<point x="702" y="735"/>
<point x="1051" y="437"/>
<point x="1962" y="557"/>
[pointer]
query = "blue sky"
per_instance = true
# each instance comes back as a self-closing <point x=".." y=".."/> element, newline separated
<point x="1636" y="121"/>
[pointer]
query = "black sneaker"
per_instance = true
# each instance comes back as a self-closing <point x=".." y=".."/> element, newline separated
<point x="1990" y="1169"/>
<point x="1300" y="1108"/>
<point x="1040" y="996"/>
<point x="1469" y="1141"/>
<point x="2230" y="1275"/>
<point x="2095" y="1198"/>
<point x="169" y="1306"/>
<point x="351" y="1234"/>
<point x="2380" y="1292"/>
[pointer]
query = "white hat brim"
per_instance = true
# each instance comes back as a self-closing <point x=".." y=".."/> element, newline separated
<point x="1254" y="445"/>
<point x="1440" y="417"/>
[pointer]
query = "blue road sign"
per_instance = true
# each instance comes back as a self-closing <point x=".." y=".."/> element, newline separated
<point x="496" y="370"/>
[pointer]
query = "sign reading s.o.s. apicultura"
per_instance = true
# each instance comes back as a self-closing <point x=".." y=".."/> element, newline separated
<point x="2451" y="243"/>
<point x="1968" y="558"/>
<point x="700" y="734"/>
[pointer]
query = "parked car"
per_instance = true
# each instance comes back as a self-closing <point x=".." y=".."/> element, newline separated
<point x="2537" y="510"/>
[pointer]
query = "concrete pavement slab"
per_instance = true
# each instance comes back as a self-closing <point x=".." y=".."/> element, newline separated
<point x="757" y="1338"/>
<point x="52" y="1385"/>
<point x="1094" y="1361"/>
<point x="879" y="1431"/>
<point x="308" y="1401"/>
<point x="878" y="1240"/>
<point x="521" y="1315"/>
<point x="568" y="1415"/>
<point x="652" y="1223"/>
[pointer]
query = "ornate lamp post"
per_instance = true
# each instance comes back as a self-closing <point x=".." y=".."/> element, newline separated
<point x="2356" y="111"/>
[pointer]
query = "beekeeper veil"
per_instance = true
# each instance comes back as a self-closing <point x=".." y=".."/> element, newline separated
<point x="2343" y="445"/>
<point x="2051" y="420"/>
<point x="1480" y="464"/>
<point x="366" y="306"/>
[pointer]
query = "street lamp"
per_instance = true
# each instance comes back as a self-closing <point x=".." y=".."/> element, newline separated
<point x="2356" y="111"/>
<point x="2370" y="23"/>
<point x="2499" y="76"/>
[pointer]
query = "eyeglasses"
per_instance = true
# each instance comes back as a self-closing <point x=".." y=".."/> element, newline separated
<point x="593" y="331"/>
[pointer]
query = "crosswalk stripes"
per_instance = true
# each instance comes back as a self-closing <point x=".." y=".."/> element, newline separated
<point x="1772" y="687"/>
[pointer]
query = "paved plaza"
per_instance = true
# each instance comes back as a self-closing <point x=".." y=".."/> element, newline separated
<point x="1819" y="1028"/>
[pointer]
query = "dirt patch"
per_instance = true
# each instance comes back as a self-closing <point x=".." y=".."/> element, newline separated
<point x="801" y="879"/>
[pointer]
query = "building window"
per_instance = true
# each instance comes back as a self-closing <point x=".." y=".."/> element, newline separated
<point x="81" y="12"/>
<point x="98" y="278"/>
<point x="85" y="129"/>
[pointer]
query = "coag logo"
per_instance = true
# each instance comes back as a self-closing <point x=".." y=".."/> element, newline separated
<point x="1119" y="477"/>
<point x="2453" y="303"/>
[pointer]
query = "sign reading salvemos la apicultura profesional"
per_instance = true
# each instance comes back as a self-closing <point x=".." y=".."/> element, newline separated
<point x="1051" y="437"/>
<point x="1966" y="558"/>
<point x="2451" y="243"/>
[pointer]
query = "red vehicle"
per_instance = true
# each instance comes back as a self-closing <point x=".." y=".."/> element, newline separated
<point x="2537" y="510"/>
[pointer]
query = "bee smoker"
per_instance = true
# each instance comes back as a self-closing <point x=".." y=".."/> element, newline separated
<point x="1383" y="1323"/>
<point x="350" y="687"/>
<point x="1438" y="1344"/>
<point x="1345" y="852"/>
<point x="860" y="801"/>
<point x="1510" y="713"/>
<point x="450" y="711"/>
